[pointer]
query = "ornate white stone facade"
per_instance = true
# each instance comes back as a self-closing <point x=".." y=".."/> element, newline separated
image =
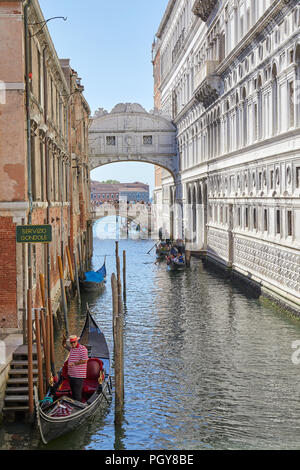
<point x="230" y="80"/>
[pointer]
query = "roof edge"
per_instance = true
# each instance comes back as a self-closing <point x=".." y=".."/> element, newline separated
<point x="165" y="18"/>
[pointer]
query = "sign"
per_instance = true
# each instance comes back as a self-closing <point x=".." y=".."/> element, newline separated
<point x="34" y="233"/>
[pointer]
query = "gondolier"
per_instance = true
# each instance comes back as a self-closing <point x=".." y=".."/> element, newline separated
<point x="77" y="366"/>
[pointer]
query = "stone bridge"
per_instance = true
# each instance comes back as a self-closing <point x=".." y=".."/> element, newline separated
<point x="130" y="133"/>
<point x="139" y="213"/>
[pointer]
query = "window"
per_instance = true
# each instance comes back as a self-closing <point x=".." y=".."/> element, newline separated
<point x="43" y="186"/>
<point x="265" y="220"/>
<point x="254" y="219"/>
<point x="239" y="217"/>
<point x="289" y="223"/>
<point x="291" y="104"/>
<point x="255" y="122"/>
<point x="147" y="140"/>
<point x="110" y="140"/>
<point x="39" y="60"/>
<point x="272" y="179"/>
<point x="246" y="217"/>
<point x="278" y="225"/>
<point x="259" y="180"/>
<point x="298" y="177"/>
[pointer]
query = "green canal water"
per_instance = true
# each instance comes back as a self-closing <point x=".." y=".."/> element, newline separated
<point x="206" y="367"/>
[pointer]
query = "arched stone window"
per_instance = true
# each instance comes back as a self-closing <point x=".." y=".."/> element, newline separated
<point x="275" y="98"/>
<point x="245" y="120"/>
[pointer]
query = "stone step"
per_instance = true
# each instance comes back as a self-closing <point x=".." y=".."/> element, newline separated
<point x="20" y="380"/>
<point x="21" y="372"/>
<point x="16" y="398"/>
<point x="15" y="408"/>
<point x="22" y="363"/>
<point x="23" y="350"/>
<point x="16" y="390"/>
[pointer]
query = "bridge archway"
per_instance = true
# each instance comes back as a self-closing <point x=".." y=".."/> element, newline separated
<point x="130" y="134"/>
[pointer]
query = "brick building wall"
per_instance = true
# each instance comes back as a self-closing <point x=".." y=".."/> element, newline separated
<point x="59" y="176"/>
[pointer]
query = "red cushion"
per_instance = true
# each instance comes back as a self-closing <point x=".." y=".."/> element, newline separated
<point x="64" y="371"/>
<point x="94" y="366"/>
<point x="89" y="386"/>
<point x="64" y="389"/>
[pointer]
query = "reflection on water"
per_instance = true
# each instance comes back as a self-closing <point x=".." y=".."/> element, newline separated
<point x="206" y="367"/>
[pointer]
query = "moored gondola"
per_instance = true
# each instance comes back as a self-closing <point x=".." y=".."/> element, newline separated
<point x="93" y="281"/>
<point x="58" y="414"/>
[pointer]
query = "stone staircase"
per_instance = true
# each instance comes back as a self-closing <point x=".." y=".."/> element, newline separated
<point x="16" y="395"/>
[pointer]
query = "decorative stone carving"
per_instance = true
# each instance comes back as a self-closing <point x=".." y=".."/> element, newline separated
<point x="270" y="263"/>
<point x="100" y="112"/>
<point x="203" y="8"/>
<point x="218" y="243"/>
<point x="209" y="91"/>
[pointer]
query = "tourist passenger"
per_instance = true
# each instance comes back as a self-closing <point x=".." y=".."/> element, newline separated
<point x="77" y="365"/>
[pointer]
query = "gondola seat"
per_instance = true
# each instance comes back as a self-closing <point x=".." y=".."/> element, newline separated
<point x="64" y="388"/>
<point x="90" y="384"/>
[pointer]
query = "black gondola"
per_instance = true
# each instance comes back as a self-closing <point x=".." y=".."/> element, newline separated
<point x="63" y="414"/>
<point x="93" y="281"/>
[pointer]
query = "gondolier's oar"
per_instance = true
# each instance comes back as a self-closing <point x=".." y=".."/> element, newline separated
<point x="152" y="248"/>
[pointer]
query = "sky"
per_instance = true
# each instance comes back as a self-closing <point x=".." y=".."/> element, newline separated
<point x="109" y="44"/>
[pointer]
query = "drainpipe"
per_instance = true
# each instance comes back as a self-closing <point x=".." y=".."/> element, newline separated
<point x="48" y="196"/>
<point x="27" y="84"/>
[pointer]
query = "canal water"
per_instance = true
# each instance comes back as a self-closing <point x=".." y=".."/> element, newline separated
<point x="206" y="367"/>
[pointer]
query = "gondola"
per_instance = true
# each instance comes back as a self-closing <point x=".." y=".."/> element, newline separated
<point x="93" y="281"/>
<point x="58" y="414"/>
<point x="175" y="264"/>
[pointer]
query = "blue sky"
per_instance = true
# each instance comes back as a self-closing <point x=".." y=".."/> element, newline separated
<point x="109" y="44"/>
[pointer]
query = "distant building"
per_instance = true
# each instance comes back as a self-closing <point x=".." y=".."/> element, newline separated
<point x="105" y="192"/>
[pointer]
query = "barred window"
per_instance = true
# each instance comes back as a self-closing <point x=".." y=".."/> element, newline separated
<point x="111" y="140"/>
<point x="147" y="140"/>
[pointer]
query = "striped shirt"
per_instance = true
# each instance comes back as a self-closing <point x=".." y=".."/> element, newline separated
<point x="78" y="354"/>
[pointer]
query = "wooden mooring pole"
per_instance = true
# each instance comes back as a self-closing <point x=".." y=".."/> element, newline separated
<point x="39" y="353"/>
<point x="120" y="309"/>
<point x="77" y="278"/>
<point x="63" y="293"/>
<point x="52" y="352"/>
<point x="118" y="351"/>
<point x="70" y="264"/>
<point x="124" y="275"/>
<point x="29" y="345"/>
<point x="115" y="301"/>
<point x="46" y="328"/>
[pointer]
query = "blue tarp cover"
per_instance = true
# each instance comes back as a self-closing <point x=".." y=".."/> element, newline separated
<point x="98" y="276"/>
